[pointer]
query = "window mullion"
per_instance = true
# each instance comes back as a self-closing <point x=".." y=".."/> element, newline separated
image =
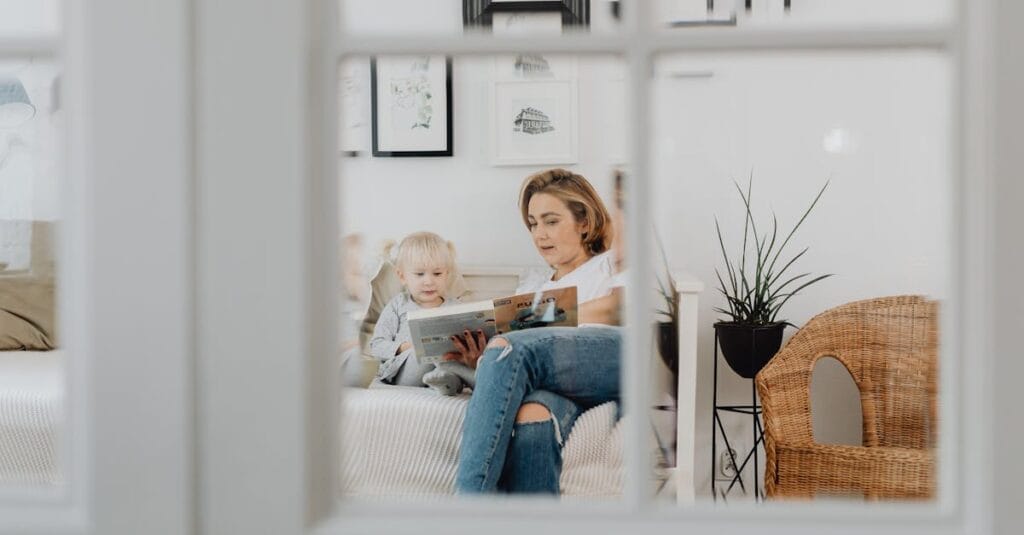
<point x="636" y="378"/>
<point x="39" y="48"/>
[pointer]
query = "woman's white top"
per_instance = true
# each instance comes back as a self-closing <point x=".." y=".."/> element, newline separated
<point x="594" y="278"/>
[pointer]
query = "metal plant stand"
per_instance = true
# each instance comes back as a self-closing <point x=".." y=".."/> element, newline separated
<point x="754" y="410"/>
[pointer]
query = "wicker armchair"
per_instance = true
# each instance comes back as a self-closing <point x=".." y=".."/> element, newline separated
<point x="890" y="347"/>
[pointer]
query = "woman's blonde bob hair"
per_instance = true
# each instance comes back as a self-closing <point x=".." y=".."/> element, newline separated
<point x="581" y="199"/>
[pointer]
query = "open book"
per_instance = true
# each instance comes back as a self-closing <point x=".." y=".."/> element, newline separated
<point x="432" y="328"/>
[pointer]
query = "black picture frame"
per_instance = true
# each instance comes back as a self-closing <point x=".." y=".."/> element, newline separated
<point x="479" y="13"/>
<point x="374" y="132"/>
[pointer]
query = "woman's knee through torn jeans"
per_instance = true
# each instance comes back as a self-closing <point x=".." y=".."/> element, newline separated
<point x="567" y="370"/>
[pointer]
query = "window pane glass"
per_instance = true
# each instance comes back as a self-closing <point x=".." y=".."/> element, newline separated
<point x="871" y="133"/>
<point x="31" y="365"/>
<point x="418" y="157"/>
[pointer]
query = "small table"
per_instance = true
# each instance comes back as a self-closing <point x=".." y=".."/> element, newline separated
<point x="754" y="410"/>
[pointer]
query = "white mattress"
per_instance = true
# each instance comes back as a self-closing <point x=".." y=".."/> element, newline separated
<point x="402" y="441"/>
<point x="31" y="406"/>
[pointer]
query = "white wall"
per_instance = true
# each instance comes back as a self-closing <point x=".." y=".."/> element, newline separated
<point x="29" y="158"/>
<point x="882" y="227"/>
<point x="464" y="198"/>
<point x="29" y="17"/>
<point x="28" y="152"/>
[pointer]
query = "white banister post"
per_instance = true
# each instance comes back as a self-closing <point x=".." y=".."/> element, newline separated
<point x="689" y="289"/>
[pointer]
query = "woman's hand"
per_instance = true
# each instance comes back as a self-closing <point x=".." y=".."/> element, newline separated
<point x="470" y="346"/>
<point x="403" y="348"/>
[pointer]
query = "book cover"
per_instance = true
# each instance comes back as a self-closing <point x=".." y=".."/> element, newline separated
<point x="431" y="329"/>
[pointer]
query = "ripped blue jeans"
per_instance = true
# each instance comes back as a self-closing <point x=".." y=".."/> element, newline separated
<point x="567" y="370"/>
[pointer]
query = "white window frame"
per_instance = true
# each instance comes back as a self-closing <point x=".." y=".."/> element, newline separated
<point x="124" y="250"/>
<point x="200" y="200"/>
<point x="950" y="513"/>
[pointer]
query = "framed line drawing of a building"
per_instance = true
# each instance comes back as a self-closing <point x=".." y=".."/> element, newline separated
<point x="534" y="122"/>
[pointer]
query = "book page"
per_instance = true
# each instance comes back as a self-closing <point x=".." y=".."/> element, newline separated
<point x="551" y="308"/>
<point x="431" y="336"/>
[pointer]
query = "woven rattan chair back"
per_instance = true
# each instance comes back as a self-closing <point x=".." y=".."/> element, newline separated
<point x="890" y="347"/>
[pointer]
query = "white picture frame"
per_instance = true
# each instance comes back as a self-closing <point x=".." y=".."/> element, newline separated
<point x="534" y="122"/>
<point x="354" y="106"/>
<point x="535" y="66"/>
<point x="526" y="22"/>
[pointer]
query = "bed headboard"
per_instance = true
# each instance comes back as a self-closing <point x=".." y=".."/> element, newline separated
<point x="489" y="282"/>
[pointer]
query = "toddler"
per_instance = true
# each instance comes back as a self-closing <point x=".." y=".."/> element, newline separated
<point x="425" y="263"/>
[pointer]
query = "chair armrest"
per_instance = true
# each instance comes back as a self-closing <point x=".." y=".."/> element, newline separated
<point x="784" y="386"/>
<point x="877" y="472"/>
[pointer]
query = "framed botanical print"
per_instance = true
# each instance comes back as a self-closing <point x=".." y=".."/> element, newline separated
<point x="411" y="108"/>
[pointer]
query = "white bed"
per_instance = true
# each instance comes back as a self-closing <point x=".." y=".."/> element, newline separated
<point x="31" y="407"/>
<point x="404" y="441"/>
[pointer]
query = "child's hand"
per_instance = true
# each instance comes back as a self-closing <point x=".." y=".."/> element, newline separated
<point x="404" y="347"/>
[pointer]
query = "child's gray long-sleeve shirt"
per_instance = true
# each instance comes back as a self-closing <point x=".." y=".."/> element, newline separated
<point x="391" y="331"/>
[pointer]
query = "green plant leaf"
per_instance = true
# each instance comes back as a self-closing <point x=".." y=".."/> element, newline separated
<point x="800" y="222"/>
<point x="668" y="290"/>
<point x="788" y="282"/>
<point x="721" y="288"/>
<point x="728" y="264"/>
<point x="797" y="290"/>
<point x="753" y="294"/>
<point x="785" y="267"/>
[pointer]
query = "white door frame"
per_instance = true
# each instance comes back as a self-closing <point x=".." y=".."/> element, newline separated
<point x="125" y="272"/>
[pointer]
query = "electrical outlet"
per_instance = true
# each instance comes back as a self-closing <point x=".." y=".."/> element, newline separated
<point x="726" y="468"/>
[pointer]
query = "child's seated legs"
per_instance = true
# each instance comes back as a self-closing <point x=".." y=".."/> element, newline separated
<point x="412" y="372"/>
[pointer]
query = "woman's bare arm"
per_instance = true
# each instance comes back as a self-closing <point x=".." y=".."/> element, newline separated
<point x="606" y="310"/>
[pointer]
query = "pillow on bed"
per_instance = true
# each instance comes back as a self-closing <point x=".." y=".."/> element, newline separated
<point x="383" y="286"/>
<point x="27" y="319"/>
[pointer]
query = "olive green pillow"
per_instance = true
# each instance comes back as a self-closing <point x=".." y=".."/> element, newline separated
<point x="27" y="303"/>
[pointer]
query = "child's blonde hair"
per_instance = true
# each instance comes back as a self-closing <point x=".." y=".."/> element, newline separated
<point x="423" y="249"/>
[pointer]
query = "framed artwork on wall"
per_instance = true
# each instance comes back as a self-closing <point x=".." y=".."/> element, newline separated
<point x="535" y="66"/>
<point x="411" y="106"/>
<point x="514" y="16"/>
<point x="534" y="122"/>
<point x="354" y="106"/>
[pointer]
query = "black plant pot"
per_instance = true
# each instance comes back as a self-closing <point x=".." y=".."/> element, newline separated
<point x="747" y="348"/>
<point x="668" y="348"/>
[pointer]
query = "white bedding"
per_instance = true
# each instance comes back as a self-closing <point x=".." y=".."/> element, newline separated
<point x="31" y="403"/>
<point x="403" y="441"/>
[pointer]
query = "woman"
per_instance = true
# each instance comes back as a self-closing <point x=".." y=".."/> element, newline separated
<point x="532" y="384"/>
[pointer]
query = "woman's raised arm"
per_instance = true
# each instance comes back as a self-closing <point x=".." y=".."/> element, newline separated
<point x="605" y="310"/>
